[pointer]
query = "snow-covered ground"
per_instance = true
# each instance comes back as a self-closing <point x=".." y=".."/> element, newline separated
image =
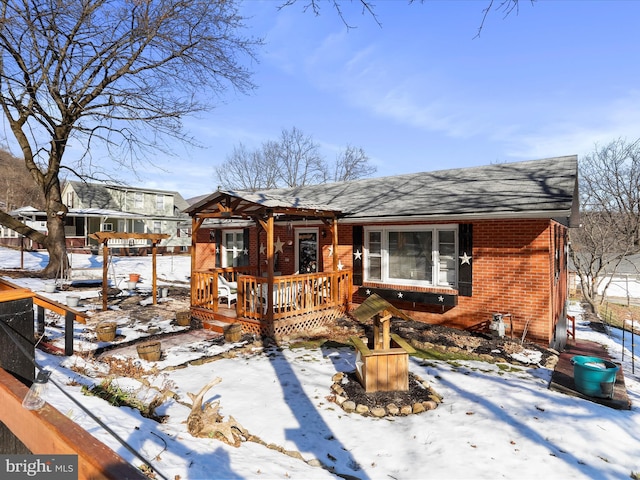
<point x="493" y="423"/>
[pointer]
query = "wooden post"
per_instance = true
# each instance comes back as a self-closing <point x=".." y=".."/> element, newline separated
<point x="335" y="291"/>
<point x="154" y="283"/>
<point x="195" y="226"/>
<point x="270" y="255"/>
<point x="386" y="327"/>
<point x="377" y="345"/>
<point x="105" y="280"/>
<point x="334" y="242"/>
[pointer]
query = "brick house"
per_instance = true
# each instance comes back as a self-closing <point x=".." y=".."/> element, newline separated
<point x="451" y="247"/>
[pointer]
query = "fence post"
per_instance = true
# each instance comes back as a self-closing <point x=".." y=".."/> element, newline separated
<point x="69" y="317"/>
<point x="623" y="329"/>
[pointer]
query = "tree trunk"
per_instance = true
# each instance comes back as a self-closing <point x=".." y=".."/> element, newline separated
<point x="55" y="242"/>
<point x="56" y="245"/>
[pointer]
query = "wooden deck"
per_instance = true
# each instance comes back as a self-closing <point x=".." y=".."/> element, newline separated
<point x="297" y="302"/>
<point x="562" y="378"/>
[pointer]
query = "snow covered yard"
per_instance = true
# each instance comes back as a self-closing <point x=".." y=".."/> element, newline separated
<point x="495" y="421"/>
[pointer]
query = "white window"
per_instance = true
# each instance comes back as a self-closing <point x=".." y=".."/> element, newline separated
<point x="157" y="227"/>
<point x="138" y="200"/>
<point x="412" y="255"/>
<point x="160" y="202"/>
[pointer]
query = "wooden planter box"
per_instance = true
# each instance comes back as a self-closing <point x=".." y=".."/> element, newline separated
<point x="383" y="370"/>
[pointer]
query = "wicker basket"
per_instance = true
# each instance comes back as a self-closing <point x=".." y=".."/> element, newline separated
<point x="150" y="351"/>
<point x="183" y="318"/>
<point x="106" y="332"/>
<point x="233" y="333"/>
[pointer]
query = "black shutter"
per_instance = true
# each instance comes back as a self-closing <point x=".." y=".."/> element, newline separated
<point x="465" y="253"/>
<point x="358" y="233"/>
<point x="218" y="240"/>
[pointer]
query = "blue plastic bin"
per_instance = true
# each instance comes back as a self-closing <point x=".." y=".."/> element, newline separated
<point x="594" y="376"/>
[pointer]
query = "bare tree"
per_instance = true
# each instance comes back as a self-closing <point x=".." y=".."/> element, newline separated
<point x="297" y="157"/>
<point x="352" y="164"/>
<point x="247" y="170"/>
<point x="610" y="205"/>
<point x="292" y="161"/>
<point x="117" y="74"/>
<point x="367" y="7"/>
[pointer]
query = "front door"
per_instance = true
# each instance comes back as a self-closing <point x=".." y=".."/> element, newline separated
<point x="233" y="248"/>
<point x="307" y="250"/>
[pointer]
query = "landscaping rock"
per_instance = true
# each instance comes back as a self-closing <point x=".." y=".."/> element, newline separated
<point x="393" y="409"/>
<point x="378" y="412"/>
<point x="349" y="406"/>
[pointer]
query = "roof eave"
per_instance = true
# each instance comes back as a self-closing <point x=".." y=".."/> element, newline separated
<point x="545" y="214"/>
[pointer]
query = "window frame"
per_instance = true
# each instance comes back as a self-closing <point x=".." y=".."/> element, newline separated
<point x="138" y="200"/>
<point x="435" y="249"/>
<point x="237" y="253"/>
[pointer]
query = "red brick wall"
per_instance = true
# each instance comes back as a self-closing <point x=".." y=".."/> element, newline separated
<point x="513" y="272"/>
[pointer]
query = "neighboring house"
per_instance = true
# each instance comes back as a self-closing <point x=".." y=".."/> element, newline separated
<point x="97" y="207"/>
<point x="31" y="217"/>
<point x="451" y="247"/>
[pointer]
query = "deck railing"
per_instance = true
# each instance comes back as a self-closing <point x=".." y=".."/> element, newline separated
<point x="204" y="284"/>
<point x="292" y="294"/>
<point x="42" y="304"/>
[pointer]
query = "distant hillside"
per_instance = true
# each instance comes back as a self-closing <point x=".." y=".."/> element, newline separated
<point x="17" y="187"/>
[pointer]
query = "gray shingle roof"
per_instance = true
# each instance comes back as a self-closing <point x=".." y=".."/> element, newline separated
<point x="251" y="203"/>
<point x="94" y="195"/>
<point x="544" y="188"/>
<point x="97" y="195"/>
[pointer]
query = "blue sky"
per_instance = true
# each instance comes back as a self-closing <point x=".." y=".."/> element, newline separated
<point x="420" y="93"/>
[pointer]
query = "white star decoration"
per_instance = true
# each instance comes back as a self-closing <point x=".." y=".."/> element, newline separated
<point x="278" y="245"/>
<point x="330" y="250"/>
<point x="441" y="298"/>
<point x="368" y="292"/>
<point x="217" y="249"/>
<point x="262" y="249"/>
<point x="400" y="295"/>
<point x="340" y="265"/>
<point x="464" y="258"/>
<point x="357" y="255"/>
<point x="245" y="251"/>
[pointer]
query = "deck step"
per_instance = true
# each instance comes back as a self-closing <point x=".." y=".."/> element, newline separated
<point x="215" y="325"/>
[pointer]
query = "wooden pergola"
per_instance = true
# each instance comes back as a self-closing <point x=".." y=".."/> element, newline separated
<point x="264" y="210"/>
<point x="104" y="237"/>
